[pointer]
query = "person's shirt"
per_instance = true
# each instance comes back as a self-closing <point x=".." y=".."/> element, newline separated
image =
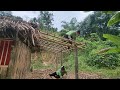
<point x="58" y="72"/>
<point x="72" y="33"/>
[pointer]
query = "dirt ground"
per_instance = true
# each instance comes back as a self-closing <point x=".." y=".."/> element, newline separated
<point x="44" y="74"/>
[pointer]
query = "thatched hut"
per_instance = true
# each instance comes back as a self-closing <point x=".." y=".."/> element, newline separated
<point x="17" y="37"/>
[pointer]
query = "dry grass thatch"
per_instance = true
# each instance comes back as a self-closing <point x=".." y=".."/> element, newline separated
<point x="13" y="27"/>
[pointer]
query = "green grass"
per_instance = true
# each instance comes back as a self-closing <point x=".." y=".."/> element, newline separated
<point x="83" y="55"/>
<point x="69" y="64"/>
<point x="104" y="72"/>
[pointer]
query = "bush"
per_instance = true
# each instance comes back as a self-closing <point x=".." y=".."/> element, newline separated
<point x="94" y="37"/>
<point x="110" y="61"/>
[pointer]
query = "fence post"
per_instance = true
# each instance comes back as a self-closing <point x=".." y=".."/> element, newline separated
<point x="76" y="62"/>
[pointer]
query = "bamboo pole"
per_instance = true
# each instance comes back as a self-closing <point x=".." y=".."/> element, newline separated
<point x="57" y="42"/>
<point x="54" y="46"/>
<point x="60" y="38"/>
<point x="76" y="62"/>
<point x="56" y="61"/>
<point x="61" y="58"/>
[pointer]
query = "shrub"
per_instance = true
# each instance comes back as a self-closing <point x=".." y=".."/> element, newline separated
<point x="110" y="61"/>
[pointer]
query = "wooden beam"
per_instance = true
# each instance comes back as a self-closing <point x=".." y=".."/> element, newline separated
<point x="52" y="45"/>
<point x="49" y="45"/>
<point x="61" y="58"/>
<point x="60" y="38"/>
<point x="76" y="62"/>
<point x="7" y="39"/>
<point x="51" y="49"/>
<point x="56" y="61"/>
<point x="58" y="42"/>
<point x="43" y="42"/>
<point x="55" y="47"/>
<point x="54" y="41"/>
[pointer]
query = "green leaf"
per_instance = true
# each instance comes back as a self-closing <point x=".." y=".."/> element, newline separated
<point x="115" y="18"/>
<point x="103" y="50"/>
<point x="108" y="12"/>
<point x="113" y="50"/>
<point x="109" y="50"/>
<point x="113" y="38"/>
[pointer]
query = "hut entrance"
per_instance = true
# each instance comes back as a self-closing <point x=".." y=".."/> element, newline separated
<point x="5" y="51"/>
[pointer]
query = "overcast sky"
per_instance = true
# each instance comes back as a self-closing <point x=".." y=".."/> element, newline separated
<point x="59" y="16"/>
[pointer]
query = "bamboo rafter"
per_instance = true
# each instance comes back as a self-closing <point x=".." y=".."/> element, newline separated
<point x="52" y="48"/>
<point x="56" y="44"/>
<point x="52" y="45"/>
<point x="60" y="38"/>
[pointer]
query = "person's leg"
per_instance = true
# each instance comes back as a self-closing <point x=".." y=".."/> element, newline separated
<point x="53" y="74"/>
<point x="57" y="76"/>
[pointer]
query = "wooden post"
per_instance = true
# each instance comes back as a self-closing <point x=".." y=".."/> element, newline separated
<point x="61" y="58"/>
<point x="76" y="62"/>
<point x="56" y="61"/>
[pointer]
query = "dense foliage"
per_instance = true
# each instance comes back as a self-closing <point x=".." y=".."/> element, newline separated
<point x="110" y="61"/>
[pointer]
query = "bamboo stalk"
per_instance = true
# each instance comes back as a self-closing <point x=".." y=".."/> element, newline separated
<point x="57" y="42"/>
<point x="60" y="38"/>
<point x="76" y="62"/>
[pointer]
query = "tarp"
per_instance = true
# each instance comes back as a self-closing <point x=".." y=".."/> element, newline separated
<point x="5" y="51"/>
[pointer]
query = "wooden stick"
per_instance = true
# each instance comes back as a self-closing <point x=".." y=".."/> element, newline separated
<point x="60" y="38"/>
<point x="53" y="40"/>
<point x="76" y="63"/>
<point x="3" y="66"/>
<point x="61" y="58"/>
<point x="57" y="42"/>
<point x="6" y="39"/>
<point x="49" y="46"/>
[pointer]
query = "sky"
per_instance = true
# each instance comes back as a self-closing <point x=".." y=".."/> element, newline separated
<point x="59" y="16"/>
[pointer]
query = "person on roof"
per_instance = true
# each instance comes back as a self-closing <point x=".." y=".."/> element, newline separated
<point x="59" y="73"/>
<point x="71" y="35"/>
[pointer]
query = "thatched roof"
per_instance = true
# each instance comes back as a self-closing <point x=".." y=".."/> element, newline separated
<point x="12" y="27"/>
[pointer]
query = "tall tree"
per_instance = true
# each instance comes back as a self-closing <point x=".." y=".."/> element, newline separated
<point x="45" y="19"/>
<point x="5" y="13"/>
<point x="97" y="23"/>
<point x="72" y="25"/>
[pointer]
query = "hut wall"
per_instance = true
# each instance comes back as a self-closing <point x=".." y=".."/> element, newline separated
<point x="20" y="61"/>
